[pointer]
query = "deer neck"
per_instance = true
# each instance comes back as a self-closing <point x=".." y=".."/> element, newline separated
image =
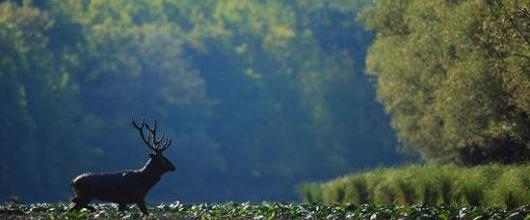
<point x="151" y="172"/>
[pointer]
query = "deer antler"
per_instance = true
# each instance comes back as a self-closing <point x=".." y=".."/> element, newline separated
<point x="151" y="141"/>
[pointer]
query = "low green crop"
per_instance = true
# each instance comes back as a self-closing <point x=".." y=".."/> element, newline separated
<point x="230" y="210"/>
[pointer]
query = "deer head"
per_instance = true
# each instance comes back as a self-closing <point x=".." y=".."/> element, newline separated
<point x="157" y="145"/>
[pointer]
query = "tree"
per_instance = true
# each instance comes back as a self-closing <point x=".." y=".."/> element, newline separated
<point x="38" y="107"/>
<point x="445" y="71"/>
<point x="252" y="93"/>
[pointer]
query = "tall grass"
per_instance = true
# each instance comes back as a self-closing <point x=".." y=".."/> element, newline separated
<point x="489" y="185"/>
<point x="311" y="192"/>
<point x="356" y="190"/>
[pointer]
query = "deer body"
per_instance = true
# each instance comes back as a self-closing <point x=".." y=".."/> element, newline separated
<point x="124" y="187"/>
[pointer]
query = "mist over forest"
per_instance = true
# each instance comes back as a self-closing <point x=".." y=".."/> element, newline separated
<point x="257" y="96"/>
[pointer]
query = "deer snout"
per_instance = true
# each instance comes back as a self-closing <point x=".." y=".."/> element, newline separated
<point x="172" y="168"/>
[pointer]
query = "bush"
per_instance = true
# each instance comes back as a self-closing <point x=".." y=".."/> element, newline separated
<point x="356" y="190"/>
<point x="489" y="185"/>
<point x="311" y="192"/>
<point x="510" y="191"/>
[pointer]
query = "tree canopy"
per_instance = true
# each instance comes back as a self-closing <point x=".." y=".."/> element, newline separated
<point x="257" y="96"/>
<point x="455" y="76"/>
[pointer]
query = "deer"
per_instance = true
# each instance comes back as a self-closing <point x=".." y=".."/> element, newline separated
<point x="128" y="186"/>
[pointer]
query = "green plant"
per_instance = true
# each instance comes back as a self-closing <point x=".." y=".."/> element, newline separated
<point x="510" y="190"/>
<point x="489" y="185"/>
<point x="310" y="192"/>
<point x="356" y="190"/>
<point x="265" y="210"/>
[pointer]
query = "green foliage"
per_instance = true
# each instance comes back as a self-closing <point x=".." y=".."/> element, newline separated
<point x="485" y="186"/>
<point x="311" y="192"/>
<point x="37" y="104"/>
<point x="454" y="76"/>
<point x="263" y="211"/>
<point x="510" y="189"/>
<point x="251" y="93"/>
<point x="356" y="190"/>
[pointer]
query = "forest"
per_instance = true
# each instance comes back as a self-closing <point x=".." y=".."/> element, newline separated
<point x="257" y="96"/>
<point x="260" y="96"/>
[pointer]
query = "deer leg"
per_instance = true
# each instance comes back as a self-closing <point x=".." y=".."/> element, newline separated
<point x="75" y="200"/>
<point x="76" y="207"/>
<point x="122" y="207"/>
<point x="92" y="209"/>
<point x="80" y="203"/>
<point x="142" y="207"/>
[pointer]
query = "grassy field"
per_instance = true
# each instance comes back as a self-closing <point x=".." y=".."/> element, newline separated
<point x="481" y="186"/>
<point x="178" y="210"/>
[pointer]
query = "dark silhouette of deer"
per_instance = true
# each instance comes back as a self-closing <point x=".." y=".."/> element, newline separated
<point x="129" y="186"/>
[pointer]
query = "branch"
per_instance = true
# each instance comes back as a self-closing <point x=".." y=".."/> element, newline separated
<point x="514" y="24"/>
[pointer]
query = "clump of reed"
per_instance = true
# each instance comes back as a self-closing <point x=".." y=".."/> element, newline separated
<point x="488" y="185"/>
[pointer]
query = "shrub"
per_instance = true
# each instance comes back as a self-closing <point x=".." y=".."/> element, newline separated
<point x="311" y="192"/>
<point x="356" y="190"/>
<point x="510" y="190"/>
<point x="333" y="192"/>
<point x="489" y="185"/>
<point x="446" y="181"/>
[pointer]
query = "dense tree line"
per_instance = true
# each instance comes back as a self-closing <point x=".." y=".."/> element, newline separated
<point x="455" y="76"/>
<point x="256" y="95"/>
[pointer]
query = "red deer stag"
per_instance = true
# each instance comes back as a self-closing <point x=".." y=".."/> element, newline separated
<point x="129" y="186"/>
